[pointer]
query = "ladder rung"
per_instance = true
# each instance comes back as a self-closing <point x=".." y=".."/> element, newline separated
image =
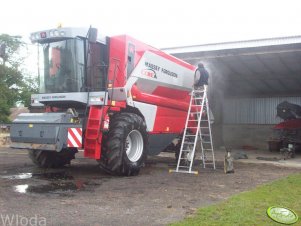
<point x="188" y="142"/>
<point x="184" y="171"/>
<point x="204" y="127"/>
<point x="191" y="135"/>
<point x="206" y="142"/>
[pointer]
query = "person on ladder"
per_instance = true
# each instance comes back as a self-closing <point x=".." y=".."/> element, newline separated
<point x="201" y="77"/>
<point x="196" y="127"/>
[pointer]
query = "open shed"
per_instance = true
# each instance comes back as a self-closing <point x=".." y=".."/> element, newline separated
<point x="248" y="79"/>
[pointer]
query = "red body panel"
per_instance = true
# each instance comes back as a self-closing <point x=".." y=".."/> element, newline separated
<point x="119" y="47"/>
<point x="178" y="95"/>
<point x="175" y="60"/>
<point x="289" y="124"/>
<point x="160" y="100"/>
<point x="169" y="120"/>
<point x="168" y="95"/>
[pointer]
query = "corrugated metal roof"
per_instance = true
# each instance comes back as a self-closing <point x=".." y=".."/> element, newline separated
<point x="234" y="45"/>
<point x="265" y="67"/>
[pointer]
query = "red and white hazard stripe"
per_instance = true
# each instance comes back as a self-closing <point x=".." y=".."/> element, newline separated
<point x="75" y="137"/>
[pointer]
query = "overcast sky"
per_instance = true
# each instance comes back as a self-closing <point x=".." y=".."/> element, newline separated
<point x="160" y="23"/>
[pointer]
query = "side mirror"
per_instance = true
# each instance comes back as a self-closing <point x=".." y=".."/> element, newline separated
<point x="92" y="36"/>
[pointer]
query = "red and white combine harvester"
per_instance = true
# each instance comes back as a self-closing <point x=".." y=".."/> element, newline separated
<point x="117" y="98"/>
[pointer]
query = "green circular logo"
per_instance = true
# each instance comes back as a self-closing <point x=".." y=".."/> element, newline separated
<point x="282" y="215"/>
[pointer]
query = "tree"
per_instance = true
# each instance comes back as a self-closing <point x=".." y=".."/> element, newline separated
<point x="14" y="86"/>
<point x="30" y="86"/>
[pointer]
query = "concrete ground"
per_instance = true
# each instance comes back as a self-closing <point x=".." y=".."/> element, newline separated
<point x="267" y="157"/>
<point x="81" y="194"/>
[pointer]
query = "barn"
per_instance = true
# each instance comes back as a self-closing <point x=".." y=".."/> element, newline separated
<point x="248" y="79"/>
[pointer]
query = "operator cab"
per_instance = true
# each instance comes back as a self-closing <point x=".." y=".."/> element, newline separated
<point x="73" y="67"/>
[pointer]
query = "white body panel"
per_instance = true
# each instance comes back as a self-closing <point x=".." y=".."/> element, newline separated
<point x="154" y="70"/>
<point x="149" y="112"/>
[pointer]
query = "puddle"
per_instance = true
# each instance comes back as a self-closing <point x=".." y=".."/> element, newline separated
<point x="55" y="187"/>
<point x="21" y="188"/>
<point x="54" y="176"/>
<point x="49" y="176"/>
<point x="20" y="176"/>
<point x="61" y="183"/>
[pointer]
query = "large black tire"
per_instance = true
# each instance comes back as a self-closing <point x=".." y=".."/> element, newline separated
<point x="52" y="159"/>
<point x="125" y="148"/>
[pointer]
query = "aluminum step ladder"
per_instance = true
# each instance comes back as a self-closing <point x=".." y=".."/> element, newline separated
<point x="197" y="128"/>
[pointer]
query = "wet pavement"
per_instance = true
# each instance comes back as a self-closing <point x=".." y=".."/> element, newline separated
<point x="81" y="194"/>
<point x="58" y="183"/>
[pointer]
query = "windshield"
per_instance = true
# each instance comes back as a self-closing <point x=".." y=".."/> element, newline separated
<point x="62" y="68"/>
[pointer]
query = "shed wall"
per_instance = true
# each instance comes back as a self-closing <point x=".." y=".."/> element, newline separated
<point x="254" y="110"/>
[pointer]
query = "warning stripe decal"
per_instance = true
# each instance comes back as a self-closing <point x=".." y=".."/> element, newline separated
<point x="74" y="137"/>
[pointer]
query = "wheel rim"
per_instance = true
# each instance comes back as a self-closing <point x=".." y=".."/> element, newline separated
<point x="134" y="145"/>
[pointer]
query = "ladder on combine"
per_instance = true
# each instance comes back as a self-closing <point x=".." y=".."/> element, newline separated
<point x="197" y="127"/>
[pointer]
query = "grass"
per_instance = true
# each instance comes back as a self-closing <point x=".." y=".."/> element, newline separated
<point x="249" y="208"/>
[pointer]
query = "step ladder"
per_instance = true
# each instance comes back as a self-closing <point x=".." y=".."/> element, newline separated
<point x="92" y="145"/>
<point x="197" y="128"/>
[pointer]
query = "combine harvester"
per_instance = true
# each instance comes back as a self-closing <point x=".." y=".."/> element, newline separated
<point x="286" y="136"/>
<point x="117" y="98"/>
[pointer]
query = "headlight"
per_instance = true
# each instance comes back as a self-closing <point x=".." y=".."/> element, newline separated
<point x="35" y="101"/>
<point x="94" y="99"/>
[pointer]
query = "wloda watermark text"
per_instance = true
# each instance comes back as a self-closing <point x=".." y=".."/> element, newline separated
<point x="18" y="220"/>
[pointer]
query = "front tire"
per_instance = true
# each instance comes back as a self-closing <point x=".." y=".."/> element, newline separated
<point x="125" y="148"/>
<point x="52" y="159"/>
